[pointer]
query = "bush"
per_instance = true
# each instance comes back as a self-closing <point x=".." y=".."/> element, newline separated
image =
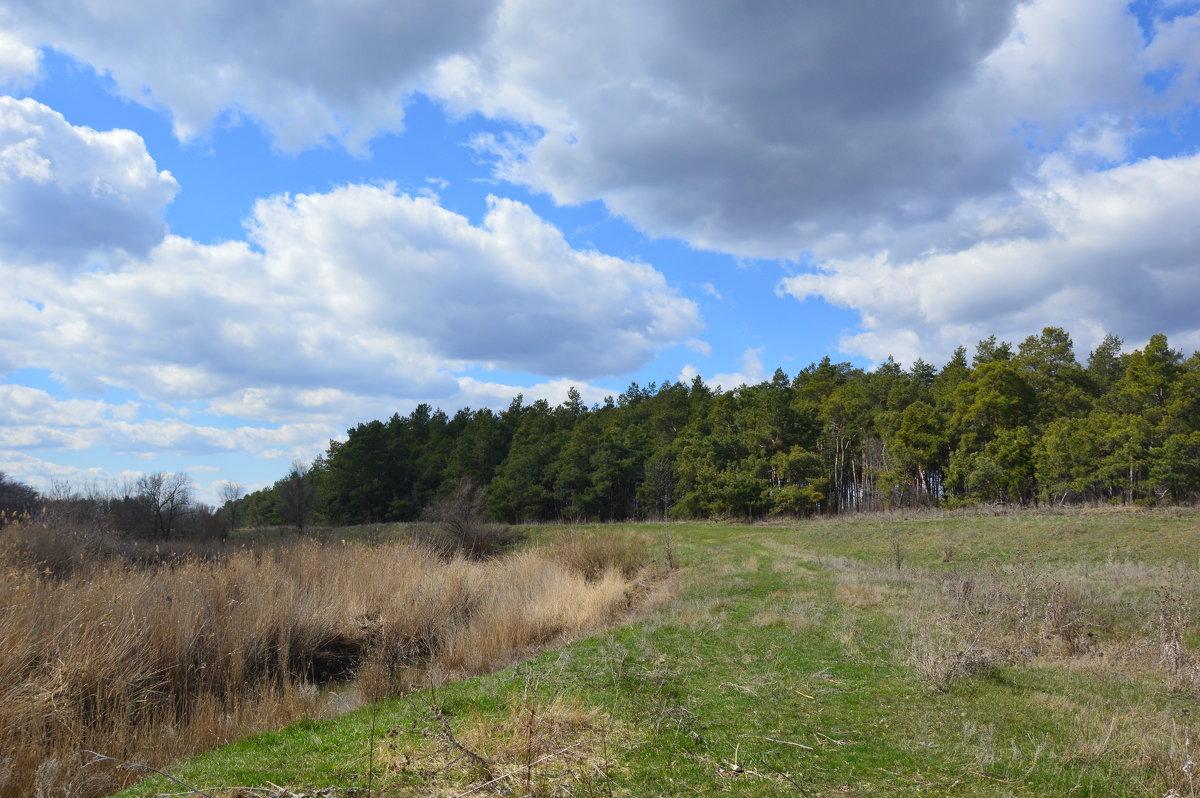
<point x="460" y="524"/>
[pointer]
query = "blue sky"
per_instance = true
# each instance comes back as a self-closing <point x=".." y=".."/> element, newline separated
<point x="228" y="233"/>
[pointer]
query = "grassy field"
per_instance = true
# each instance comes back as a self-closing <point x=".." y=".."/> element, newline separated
<point x="1014" y="655"/>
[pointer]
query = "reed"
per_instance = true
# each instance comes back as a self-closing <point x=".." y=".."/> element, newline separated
<point x="149" y="662"/>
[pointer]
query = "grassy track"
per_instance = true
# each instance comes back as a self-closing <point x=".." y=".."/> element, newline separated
<point x="1020" y="655"/>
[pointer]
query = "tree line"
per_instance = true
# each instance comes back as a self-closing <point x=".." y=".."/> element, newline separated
<point x="1024" y="426"/>
<point x="1020" y="426"/>
<point x="158" y="506"/>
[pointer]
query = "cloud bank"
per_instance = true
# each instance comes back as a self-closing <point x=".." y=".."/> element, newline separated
<point x="362" y="288"/>
<point x="309" y="71"/>
<point x="1123" y="253"/>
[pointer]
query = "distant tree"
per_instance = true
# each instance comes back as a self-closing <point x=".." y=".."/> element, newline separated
<point x="996" y="396"/>
<point x="1145" y="387"/>
<point x="1175" y="467"/>
<point x="990" y="351"/>
<point x="1066" y="458"/>
<point x="16" y="499"/>
<point x="1104" y="366"/>
<point x="1059" y="383"/>
<point x="954" y="372"/>
<point x="922" y="373"/>
<point x="921" y="446"/>
<point x="231" y="496"/>
<point x="656" y="494"/>
<point x="167" y="496"/>
<point x="297" y="496"/>
<point x="519" y="491"/>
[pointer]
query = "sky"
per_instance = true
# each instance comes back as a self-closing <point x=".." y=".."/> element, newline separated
<point x="231" y="231"/>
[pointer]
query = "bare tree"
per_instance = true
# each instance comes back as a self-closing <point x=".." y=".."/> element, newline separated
<point x="297" y="495"/>
<point x="16" y="499"/>
<point x="231" y="495"/>
<point x="168" y="497"/>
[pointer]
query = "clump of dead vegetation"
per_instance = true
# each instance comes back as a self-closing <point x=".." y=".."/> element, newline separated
<point x="1118" y="615"/>
<point x="1120" y="619"/>
<point x="457" y="524"/>
<point x="150" y="660"/>
<point x="544" y="743"/>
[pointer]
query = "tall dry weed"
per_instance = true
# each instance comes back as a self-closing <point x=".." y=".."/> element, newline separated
<point x="152" y="663"/>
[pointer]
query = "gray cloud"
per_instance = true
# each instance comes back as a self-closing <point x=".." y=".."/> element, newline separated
<point x="836" y="128"/>
<point x="760" y="129"/>
<point x="308" y="69"/>
<point x="764" y="129"/>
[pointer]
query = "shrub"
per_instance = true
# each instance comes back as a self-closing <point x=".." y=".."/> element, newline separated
<point x="460" y="525"/>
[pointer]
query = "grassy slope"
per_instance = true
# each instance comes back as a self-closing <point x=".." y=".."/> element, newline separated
<point x="764" y="676"/>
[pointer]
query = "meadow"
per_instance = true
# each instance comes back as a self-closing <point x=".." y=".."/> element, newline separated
<point x="1023" y="654"/>
<point x="918" y="654"/>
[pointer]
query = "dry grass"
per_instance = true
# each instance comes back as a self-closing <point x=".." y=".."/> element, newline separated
<point x="798" y="615"/>
<point x="593" y="553"/>
<point x="151" y="663"/>
<point x="857" y="592"/>
<point x="541" y="747"/>
<point x="1124" y="620"/>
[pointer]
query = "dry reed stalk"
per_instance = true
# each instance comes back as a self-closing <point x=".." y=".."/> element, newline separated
<point x="149" y="664"/>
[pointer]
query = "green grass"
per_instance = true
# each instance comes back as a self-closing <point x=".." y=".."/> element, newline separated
<point x="760" y="677"/>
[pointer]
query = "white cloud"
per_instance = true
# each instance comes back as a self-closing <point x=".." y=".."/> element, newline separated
<point x="173" y="435"/>
<point x="41" y="474"/>
<point x="477" y="394"/>
<point x="32" y="419"/>
<point x="511" y="293"/>
<point x="751" y="372"/>
<point x="309" y="70"/>
<point x="69" y="194"/>
<point x="18" y="61"/>
<point x="363" y="289"/>
<point x="1123" y="256"/>
<point x="21" y="405"/>
<point x="334" y="406"/>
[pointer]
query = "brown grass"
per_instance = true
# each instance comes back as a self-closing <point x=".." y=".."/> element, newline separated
<point x="1118" y="622"/>
<point x="151" y="663"/>
<point x="858" y="593"/>
<point x="540" y="747"/>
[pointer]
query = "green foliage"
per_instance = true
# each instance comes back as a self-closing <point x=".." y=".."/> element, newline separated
<point x="1003" y="427"/>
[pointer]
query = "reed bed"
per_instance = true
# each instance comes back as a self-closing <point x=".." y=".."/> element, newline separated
<point x="151" y="663"/>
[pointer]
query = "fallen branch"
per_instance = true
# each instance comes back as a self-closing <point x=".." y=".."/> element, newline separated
<point x="479" y="787"/>
<point x="785" y="742"/>
<point x="742" y="687"/>
<point x="448" y="736"/>
<point x="132" y="765"/>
